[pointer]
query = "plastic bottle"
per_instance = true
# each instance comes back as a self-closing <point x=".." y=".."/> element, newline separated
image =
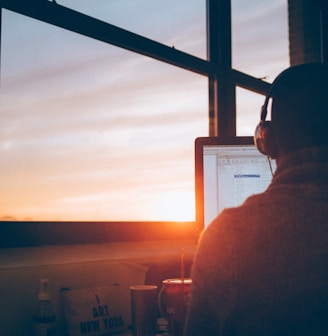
<point x="44" y="318"/>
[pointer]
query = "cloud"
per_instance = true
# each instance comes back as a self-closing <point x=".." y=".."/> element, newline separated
<point x="260" y="37"/>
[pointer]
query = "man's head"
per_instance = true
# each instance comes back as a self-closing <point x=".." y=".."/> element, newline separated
<point x="299" y="116"/>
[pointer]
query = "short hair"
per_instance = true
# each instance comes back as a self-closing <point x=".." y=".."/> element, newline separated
<point x="300" y="107"/>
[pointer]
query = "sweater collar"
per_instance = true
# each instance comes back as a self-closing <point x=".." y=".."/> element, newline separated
<point x="302" y="164"/>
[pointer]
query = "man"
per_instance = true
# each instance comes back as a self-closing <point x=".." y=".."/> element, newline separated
<point x="262" y="268"/>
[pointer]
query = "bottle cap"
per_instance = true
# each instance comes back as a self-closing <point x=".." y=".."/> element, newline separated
<point x="44" y="293"/>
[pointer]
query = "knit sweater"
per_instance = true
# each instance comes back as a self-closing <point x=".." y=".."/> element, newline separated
<point x="262" y="268"/>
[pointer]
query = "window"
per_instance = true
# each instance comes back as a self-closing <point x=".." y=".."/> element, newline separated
<point x="94" y="133"/>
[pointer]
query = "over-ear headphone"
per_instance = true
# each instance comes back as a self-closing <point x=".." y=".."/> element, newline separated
<point x="264" y="131"/>
<point x="264" y="137"/>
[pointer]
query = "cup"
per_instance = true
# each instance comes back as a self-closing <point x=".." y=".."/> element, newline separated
<point x="143" y="309"/>
<point x="173" y="300"/>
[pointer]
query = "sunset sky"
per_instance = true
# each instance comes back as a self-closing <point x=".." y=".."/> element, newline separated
<point x="90" y="131"/>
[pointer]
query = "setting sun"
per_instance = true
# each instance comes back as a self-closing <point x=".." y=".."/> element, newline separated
<point x="174" y="206"/>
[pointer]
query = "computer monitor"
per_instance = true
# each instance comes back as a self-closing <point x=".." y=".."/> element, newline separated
<point x="227" y="171"/>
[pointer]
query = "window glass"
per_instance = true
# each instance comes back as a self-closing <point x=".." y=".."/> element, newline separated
<point x="181" y="24"/>
<point x="260" y="37"/>
<point x="260" y="49"/>
<point x="248" y="111"/>
<point x="93" y="132"/>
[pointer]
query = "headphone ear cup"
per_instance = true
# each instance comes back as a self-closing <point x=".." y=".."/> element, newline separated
<point x="264" y="139"/>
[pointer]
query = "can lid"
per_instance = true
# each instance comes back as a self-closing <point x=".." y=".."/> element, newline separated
<point x="177" y="281"/>
<point x="143" y="287"/>
<point x="44" y="293"/>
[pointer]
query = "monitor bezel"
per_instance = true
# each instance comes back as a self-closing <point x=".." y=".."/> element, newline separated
<point x="200" y="142"/>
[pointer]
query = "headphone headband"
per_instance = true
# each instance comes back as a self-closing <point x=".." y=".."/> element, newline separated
<point x="264" y="109"/>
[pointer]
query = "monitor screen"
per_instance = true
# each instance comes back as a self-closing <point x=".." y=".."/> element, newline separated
<point x="228" y="170"/>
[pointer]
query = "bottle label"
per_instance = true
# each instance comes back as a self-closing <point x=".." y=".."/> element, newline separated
<point x="45" y="329"/>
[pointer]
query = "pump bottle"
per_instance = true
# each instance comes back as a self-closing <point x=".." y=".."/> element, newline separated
<point x="44" y="318"/>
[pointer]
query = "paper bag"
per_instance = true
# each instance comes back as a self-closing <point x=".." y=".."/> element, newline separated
<point x="96" y="311"/>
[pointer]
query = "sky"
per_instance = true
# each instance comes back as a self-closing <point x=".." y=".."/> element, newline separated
<point x="94" y="132"/>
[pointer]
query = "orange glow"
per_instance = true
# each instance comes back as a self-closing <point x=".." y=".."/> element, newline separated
<point x="174" y="206"/>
